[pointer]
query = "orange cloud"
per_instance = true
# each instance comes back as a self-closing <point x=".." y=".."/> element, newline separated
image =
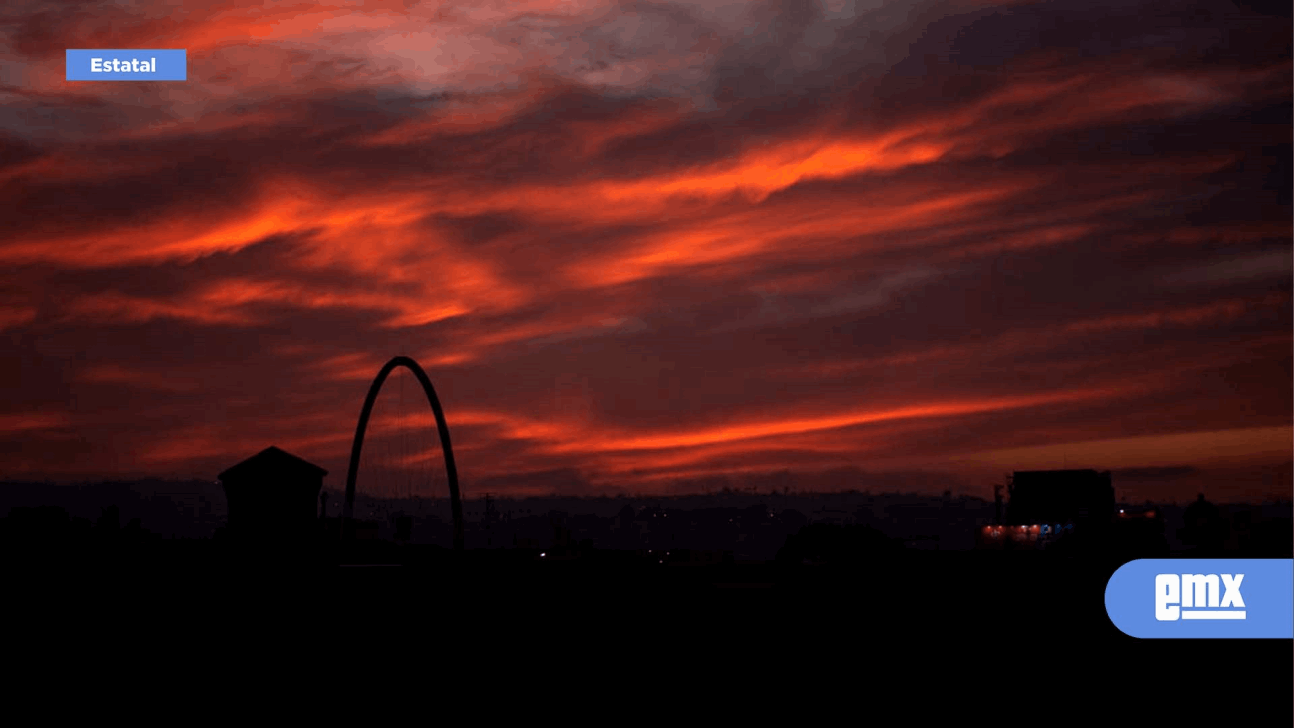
<point x="115" y="374"/>
<point x="1266" y="444"/>
<point x="1195" y="316"/>
<point x="790" y="426"/>
<point x="14" y="316"/>
<point x="32" y="422"/>
<point x="118" y="307"/>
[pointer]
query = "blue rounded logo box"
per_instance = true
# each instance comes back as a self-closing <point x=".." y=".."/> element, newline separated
<point x="1203" y="598"/>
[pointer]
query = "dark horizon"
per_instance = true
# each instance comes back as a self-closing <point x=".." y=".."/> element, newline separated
<point x="948" y="521"/>
<point x="1140" y="485"/>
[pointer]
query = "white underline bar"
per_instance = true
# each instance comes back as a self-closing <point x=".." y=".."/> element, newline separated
<point x="1190" y="614"/>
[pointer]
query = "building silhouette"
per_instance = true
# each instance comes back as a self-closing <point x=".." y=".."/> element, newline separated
<point x="1205" y="529"/>
<point x="1060" y="496"/>
<point x="272" y="498"/>
<point x="1073" y="511"/>
<point x="1044" y="505"/>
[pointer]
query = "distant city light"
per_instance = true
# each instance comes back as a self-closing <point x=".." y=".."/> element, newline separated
<point x="542" y="555"/>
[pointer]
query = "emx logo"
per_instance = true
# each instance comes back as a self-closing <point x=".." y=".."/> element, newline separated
<point x="1202" y="598"/>
<point x="1195" y="596"/>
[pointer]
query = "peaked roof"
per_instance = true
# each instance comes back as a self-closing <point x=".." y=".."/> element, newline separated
<point x="272" y="460"/>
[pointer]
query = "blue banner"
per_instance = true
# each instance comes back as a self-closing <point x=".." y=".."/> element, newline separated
<point x="127" y="65"/>
<point x="1203" y="598"/>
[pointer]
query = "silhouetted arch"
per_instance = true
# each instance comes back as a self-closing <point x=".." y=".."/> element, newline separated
<point x="450" y="471"/>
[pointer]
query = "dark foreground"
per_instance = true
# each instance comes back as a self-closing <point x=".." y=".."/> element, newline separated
<point x="1021" y="627"/>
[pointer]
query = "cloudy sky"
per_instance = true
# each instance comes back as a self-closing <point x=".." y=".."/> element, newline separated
<point x="648" y="245"/>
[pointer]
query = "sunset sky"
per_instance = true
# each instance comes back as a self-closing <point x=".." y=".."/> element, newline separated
<point x="648" y="246"/>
